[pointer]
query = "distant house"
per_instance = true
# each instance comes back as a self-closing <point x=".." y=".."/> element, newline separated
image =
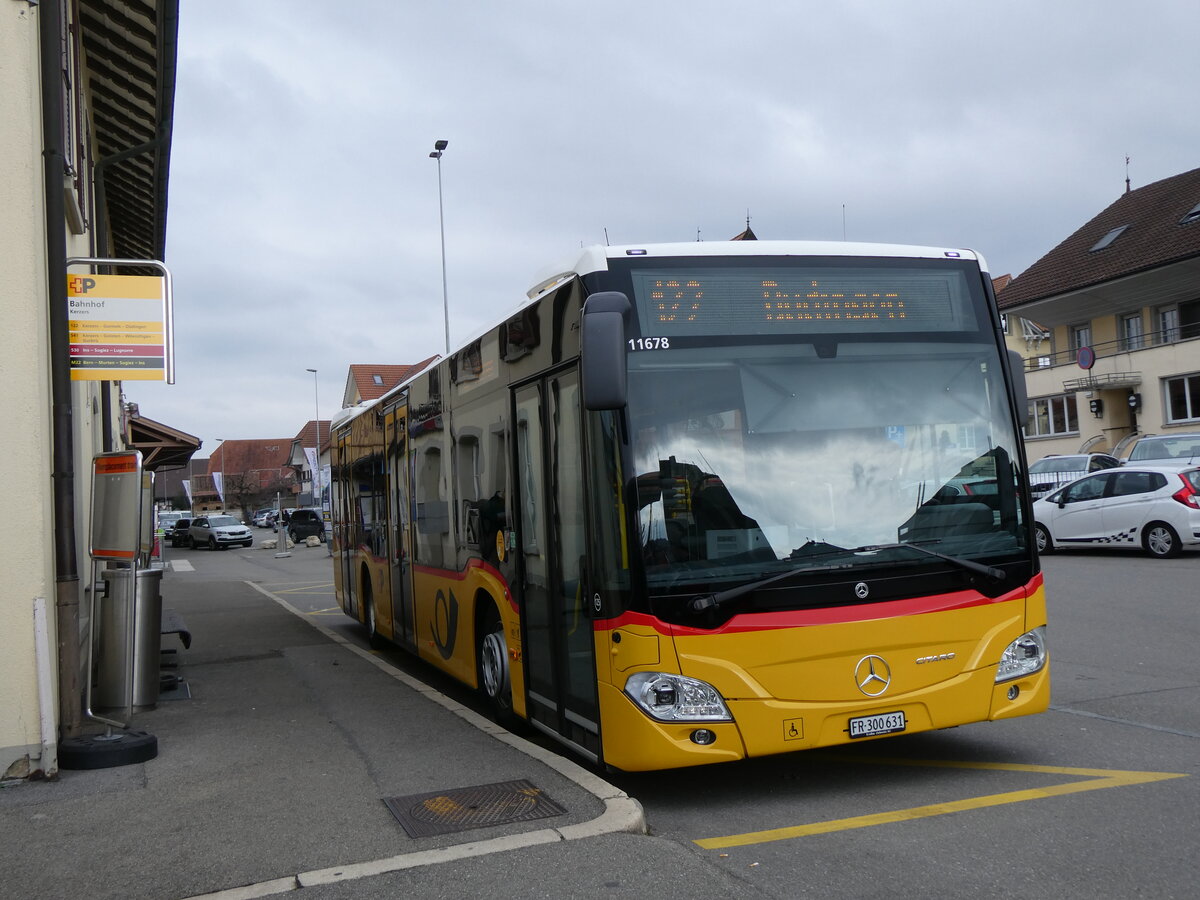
<point x="313" y="436"/>
<point x="245" y="474"/>
<point x="370" y="382"/>
<point x="1109" y="324"/>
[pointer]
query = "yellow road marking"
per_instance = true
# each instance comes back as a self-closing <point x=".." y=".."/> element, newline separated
<point x="1097" y="779"/>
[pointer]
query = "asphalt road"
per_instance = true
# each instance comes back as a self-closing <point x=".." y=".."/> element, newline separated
<point x="1099" y="797"/>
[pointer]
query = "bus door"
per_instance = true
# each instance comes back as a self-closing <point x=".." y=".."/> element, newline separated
<point x="557" y="649"/>
<point x="399" y="537"/>
<point x="343" y="532"/>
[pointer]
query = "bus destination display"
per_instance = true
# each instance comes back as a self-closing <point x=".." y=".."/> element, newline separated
<point x="755" y="302"/>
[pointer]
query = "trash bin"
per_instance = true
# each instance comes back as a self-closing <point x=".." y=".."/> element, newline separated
<point x="113" y="650"/>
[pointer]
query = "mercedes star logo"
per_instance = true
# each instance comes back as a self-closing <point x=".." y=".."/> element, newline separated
<point x="861" y="590"/>
<point x="872" y="675"/>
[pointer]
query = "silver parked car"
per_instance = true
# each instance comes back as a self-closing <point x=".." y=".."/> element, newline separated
<point x="218" y="531"/>
<point x="1174" y="451"/>
<point x="1054" y="471"/>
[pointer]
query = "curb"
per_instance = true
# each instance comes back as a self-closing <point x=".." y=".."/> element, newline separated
<point x="622" y="813"/>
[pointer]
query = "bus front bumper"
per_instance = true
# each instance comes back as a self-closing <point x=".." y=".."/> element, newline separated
<point x="762" y="727"/>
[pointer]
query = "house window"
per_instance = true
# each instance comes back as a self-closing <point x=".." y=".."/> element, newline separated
<point x="1183" y="398"/>
<point x="1081" y="336"/>
<point x="1168" y="325"/>
<point x="1131" y="331"/>
<point x="1107" y="240"/>
<point x="1189" y="319"/>
<point x="1052" y="416"/>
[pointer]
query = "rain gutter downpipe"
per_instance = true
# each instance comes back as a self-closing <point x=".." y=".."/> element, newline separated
<point x="66" y="572"/>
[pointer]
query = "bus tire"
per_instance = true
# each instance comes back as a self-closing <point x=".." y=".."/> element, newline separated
<point x="491" y="663"/>
<point x="374" y="639"/>
<point x="1160" y="541"/>
<point x="1041" y="537"/>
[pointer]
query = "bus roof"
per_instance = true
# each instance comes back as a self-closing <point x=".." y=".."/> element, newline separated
<point x="595" y="258"/>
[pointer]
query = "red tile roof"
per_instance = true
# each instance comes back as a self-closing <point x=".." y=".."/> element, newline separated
<point x="1155" y="236"/>
<point x="373" y="381"/>
<point x="308" y="434"/>
<point x="267" y="456"/>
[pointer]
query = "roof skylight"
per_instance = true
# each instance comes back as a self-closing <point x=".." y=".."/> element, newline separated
<point x="1108" y="238"/>
<point x="1192" y="216"/>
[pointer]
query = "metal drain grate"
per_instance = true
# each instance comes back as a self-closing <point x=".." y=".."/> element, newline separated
<point x="445" y="812"/>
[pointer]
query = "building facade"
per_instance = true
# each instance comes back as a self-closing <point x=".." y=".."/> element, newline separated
<point x="1109" y="325"/>
<point x="86" y="103"/>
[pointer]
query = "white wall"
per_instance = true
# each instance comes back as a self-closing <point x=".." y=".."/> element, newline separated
<point x="26" y="553"/>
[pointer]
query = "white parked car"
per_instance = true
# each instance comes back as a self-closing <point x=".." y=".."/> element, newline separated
<point x="1132" y="507"/>
<point x="218" y="531"/>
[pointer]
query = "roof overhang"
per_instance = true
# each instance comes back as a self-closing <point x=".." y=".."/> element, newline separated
<point x="130" y="52"/>
<point x="162" y="446"/>
<point x="1160" y="286"/>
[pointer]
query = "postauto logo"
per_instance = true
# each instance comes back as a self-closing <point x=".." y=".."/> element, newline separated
<point x="80" y="284"/>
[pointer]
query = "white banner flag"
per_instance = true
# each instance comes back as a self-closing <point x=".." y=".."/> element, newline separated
<point x="219" y="484"/>
<point x="187" y="489"/>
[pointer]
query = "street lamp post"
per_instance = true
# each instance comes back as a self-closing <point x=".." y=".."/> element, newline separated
<point x="438" y="148"/>
<point x="316" y="477"/>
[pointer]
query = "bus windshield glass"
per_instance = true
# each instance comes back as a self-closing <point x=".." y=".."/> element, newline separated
<point x="809" y="417"/>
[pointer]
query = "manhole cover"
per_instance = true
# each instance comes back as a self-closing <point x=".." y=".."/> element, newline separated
<point x="445" y="812"/>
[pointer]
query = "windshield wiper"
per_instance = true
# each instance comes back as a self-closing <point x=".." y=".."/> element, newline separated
<point x="968" y="564"/>
<point x="704" y="602"/>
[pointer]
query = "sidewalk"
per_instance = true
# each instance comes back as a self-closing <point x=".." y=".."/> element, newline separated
<point x="272" y="778"/>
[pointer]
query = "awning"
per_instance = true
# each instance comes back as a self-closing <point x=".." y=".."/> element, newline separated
<point x="162" y="446"/>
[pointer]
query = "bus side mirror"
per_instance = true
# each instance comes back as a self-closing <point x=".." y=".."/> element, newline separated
<point x="602" y="350"/>
<point x="1016" y="363"/>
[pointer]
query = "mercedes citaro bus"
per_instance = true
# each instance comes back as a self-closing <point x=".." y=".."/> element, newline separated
<point x="698" y="502"/>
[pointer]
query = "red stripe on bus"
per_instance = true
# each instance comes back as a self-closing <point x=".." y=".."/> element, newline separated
<point x="835" y="615"/>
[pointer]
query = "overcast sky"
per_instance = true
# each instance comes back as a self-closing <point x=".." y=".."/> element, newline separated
<point x="303" y="210"/>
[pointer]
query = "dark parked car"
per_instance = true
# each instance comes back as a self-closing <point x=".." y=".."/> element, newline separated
<point x="177" y="535"/>
<point x="305" y="522"/>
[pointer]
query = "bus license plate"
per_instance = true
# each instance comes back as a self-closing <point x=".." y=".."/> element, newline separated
<point x="881" y="723"/>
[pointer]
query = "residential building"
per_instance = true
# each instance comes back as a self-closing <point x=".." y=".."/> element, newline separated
<point x="314" y="437"/>
<point x="244" y="475"/>
<point x="86" y="99"/>
<point x="1112" y="322"/>
<point x="370" y="382"/>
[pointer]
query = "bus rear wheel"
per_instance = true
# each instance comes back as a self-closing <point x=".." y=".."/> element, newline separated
<point x="495" y="680"/>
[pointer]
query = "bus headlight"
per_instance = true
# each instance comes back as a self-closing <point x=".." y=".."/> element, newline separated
<point x="1024" y="656"/>
<point x="675" y="698"/>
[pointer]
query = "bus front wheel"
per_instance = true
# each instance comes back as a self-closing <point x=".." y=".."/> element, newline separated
<point x="368" y="603"/>
<point x="495" y="682"/>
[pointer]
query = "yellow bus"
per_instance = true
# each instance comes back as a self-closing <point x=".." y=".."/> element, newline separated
<point x="692" y="503"/>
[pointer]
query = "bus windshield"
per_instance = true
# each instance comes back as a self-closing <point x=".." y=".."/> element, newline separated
<point x="810" y="444"/>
